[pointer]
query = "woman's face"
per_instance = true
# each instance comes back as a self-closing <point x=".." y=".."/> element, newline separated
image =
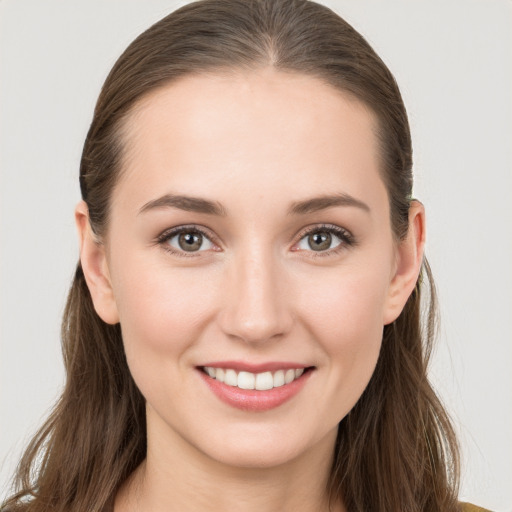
<point x="250" y="234"/>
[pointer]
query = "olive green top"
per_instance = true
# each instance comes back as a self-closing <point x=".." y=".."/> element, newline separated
<point x="467" y="507"/>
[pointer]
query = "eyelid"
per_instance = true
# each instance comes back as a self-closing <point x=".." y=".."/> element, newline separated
<point x="347" y="239"/>
<point x="169" y="233"/>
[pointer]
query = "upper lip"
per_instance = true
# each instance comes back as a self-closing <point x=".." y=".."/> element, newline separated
<point x="242" y="366"/>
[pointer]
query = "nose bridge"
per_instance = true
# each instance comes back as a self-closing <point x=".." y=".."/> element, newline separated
<point x="255" y="309"/>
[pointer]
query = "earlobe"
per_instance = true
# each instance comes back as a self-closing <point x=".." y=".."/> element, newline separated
<point x="94" y="265"/>
<point x="409" y="260"/>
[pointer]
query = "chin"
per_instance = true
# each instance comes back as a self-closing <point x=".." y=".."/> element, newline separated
<point x="265" y="449"/>
<point x="256" y="456"/>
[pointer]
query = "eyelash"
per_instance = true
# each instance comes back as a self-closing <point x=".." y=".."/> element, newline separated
<point x="346" y="238"/>
<point x="171" y="233"/>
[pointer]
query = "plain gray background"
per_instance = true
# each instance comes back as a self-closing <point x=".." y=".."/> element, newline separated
<point x="453" y="62"/>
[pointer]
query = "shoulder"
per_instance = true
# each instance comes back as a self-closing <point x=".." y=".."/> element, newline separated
<point x="467" y="507"/>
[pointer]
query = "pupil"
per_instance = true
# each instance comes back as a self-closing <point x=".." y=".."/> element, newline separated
<point x="190" y="241"/>
<point x="320" y="241"/>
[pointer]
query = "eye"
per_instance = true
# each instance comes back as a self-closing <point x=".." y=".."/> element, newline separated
<point x="325" y="240"/>
<point x="185" y="241"/>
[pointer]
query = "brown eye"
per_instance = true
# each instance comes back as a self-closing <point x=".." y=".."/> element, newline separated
<point x="320" y="241"/>
<point x="325" y="240"/>
<point x="190" y="241"/>
<point x="185" y="240"/>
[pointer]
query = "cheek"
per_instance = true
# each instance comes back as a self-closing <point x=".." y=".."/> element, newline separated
<point x="162" y="312"/>
<point x="344" y="315"/>
<point x="346" y="305"/>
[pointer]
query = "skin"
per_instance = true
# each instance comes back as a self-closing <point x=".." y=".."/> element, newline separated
<point x="256" y="291"/>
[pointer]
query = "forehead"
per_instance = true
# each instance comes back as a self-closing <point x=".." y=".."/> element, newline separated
<point x="254" y="130"/>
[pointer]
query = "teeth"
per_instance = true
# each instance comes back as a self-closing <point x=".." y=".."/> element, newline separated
<point x="246" y="380"/>
<point x="230" y="378"/>
<point x="264" y="381"/>
<point x="279" y="378"/>
<point x="289" y="376"/>
<point x="259" y="381"/>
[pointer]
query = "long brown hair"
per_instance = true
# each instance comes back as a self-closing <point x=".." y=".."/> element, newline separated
<point x="396" y="449"/>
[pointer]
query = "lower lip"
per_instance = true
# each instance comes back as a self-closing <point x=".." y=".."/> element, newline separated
<point x="252" y="399"/>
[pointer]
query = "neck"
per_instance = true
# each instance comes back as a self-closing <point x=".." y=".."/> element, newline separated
<point x="176" y="477"/>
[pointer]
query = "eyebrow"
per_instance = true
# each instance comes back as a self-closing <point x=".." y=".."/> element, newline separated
<point x="187" y="203"/>
<point x="201" y="205"/>
<point x="316" y="204"/>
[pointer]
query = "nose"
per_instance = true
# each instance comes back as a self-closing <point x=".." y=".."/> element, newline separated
<point x="256" y="307"/>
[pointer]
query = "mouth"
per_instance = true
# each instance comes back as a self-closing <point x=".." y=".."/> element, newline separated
<point x="261" y="381"/>
<point x="256" y="390"/>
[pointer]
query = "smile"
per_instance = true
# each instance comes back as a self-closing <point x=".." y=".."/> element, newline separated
<point x="265" y="387"/>
<point x="259" y="381"/>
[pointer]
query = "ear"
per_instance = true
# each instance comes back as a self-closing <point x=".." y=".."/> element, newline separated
<point x="94" y="265"/>
<point x="409" y="258"/>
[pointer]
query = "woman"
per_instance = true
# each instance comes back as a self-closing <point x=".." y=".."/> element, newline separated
<point x="243" y="329"/>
